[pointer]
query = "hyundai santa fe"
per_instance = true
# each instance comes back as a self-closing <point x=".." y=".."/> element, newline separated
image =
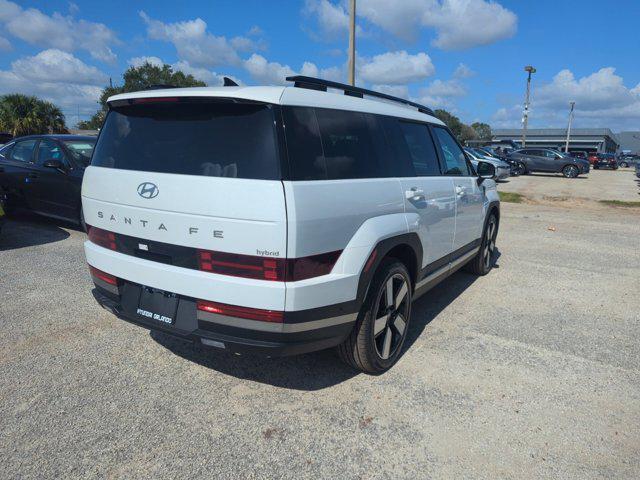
<point x="281" y="220"/>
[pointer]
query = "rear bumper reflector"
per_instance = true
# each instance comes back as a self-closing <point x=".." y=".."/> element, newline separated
<point x="272" y="316"/>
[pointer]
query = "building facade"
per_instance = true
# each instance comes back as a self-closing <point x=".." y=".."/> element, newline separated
<point x="588" y="139"/>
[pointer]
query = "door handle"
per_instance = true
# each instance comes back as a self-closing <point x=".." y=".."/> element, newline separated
<point x="460" y="191"/>
<point x="415" y="192"/>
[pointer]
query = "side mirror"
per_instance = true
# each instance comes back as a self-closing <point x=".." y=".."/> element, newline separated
<point x="486" y="171"/>
<point x="55" y="164"/>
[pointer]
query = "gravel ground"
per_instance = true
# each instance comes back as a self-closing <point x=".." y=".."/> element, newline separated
<point x="530" y="372"/>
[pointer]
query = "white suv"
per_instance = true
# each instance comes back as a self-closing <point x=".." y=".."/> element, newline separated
<point x="281" y="220"/>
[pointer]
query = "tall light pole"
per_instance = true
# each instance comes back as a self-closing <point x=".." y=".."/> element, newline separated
<point x="525" y="115"/>
<point x="566" y="145"/>
<point x="352" y="43"/>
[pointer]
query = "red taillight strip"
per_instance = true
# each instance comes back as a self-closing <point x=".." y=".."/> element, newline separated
<point x="273" y="316"/>
<point x="101" y="237"/>
<point x="104" y="276"/>
<point x="154" y="99"/>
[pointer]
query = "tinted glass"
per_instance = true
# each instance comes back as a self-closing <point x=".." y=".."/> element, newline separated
<point x="49" y="150"/>
<point x="422" y="151"/>
<point x="452" y="155"/>
<point x="189" y="138"/>
<point x="304" y="147"/>
<point x="6" y="150"/>
<point x="23" y="151"/>
<point x="348" y="145"/>
<point x="81" y="150"/>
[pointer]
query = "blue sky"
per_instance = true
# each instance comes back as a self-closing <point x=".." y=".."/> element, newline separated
<point x="463" y="55"/>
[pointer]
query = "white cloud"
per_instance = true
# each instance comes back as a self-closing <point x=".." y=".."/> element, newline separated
<point x="394" y="68"/>
<point x="194" y="43"/>
<point x="448" y="88"/>
<point x="210" y="77"/>
<point x="5" y="45"/>
<point x="274" y="73"/>
<point x="57" y="66"/>
<point x="462" y="71"/>
<point x="139" y="61"/>
<point x="58" y="31"/>
<point x="458" y="24"/>
<point x="602" y="100"/>
<point x="58" y="77"/>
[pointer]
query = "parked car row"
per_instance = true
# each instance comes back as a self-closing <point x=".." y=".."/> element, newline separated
<point x="503" y="169"/>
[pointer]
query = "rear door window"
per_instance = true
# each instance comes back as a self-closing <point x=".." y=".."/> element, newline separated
<point x="348" y="145"/>
<point x="23" y="151"/>
<point x="50" y="150"/>
<point x="421" y="149"/>
<point x="235" y="140"/>
<point x="455" y="162"/>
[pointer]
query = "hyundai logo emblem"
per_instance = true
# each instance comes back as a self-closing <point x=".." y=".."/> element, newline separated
<point x="148" y="190"/>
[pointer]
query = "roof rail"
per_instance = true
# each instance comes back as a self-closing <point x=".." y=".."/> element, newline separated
<point x="312" y="83"/>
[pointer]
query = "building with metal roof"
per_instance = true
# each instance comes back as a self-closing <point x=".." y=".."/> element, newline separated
<point x="629" y="142"/>
<point x="588" y="139"/>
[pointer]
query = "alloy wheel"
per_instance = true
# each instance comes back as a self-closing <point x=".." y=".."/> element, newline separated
<point x="571" y="171"/>
<point x="391" y="316"/>
<point x="490" y="243"/>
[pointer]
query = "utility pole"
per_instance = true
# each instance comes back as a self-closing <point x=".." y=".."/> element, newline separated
<point x="525" y="116"/>
<point x="352" y="43"/>
<point x="566" y="145"/>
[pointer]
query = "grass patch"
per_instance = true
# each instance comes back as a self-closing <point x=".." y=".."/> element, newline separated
<point x="511" y="197"/>
<point x="620" y="203"/>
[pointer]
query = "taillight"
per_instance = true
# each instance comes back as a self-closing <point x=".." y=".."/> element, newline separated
<point x="246" y="266"/>
<point x="102" y="237"/>
<point x="261" y="268"/>
<point x="104" y="276"/>
<point x="273" y="316"/>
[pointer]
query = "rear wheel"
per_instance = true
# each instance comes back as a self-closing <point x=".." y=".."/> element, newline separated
<point x="624" y="164"/>
<point x="375" y="344"/>
<point x="570" y="171"/>
<point x="484" y="261"/>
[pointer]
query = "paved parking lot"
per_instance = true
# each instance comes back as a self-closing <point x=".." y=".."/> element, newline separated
<point x="530" y="372"/>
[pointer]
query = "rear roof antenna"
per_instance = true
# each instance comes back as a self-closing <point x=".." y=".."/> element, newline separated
<point x="229" y="83"/>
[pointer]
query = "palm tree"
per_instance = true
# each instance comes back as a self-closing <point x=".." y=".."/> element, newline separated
<point x="27" y="115"/>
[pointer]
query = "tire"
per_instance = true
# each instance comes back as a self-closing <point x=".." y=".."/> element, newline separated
<point x="624" y="165"/>
<point x="484" y="261"/>
<point x="375" y="344"/>
<point x="570" y="171"/>
<point x="521" y="169"/>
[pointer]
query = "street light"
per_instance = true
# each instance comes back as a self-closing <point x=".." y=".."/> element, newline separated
<point x="566" y="145"/>
<point x="525" y="116"/>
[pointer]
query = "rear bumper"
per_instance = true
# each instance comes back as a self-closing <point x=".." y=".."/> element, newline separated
<point x="235" y="335"/>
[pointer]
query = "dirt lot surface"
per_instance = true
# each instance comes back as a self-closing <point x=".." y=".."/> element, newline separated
<point x="530" y="372"/>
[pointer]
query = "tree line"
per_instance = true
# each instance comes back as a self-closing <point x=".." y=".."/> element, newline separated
<point x="26" y="115"/>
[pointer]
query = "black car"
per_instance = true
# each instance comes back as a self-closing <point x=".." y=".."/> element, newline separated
<point x="502" y="154"/>
<point x="605" y="160"/>
<point x="44" y="174"/>
<point x="548" y="160"/>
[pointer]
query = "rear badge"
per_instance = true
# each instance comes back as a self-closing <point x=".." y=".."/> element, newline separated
<point x="144" y="247"/>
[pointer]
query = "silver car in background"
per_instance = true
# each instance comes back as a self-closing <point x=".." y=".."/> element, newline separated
<point x="503" y="169"/>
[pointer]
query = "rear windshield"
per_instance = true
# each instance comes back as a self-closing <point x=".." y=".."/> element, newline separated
<point x="191" y="138"/>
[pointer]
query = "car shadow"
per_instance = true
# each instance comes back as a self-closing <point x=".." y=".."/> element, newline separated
<point x="307" y="372"/>
<point x="556" y="175"/>
<point x="27" y="230"/>
<point x="317" y="370"/>
<point x="429" y="306"/>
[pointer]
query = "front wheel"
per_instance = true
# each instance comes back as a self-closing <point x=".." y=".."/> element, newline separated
<point x="570" y="171"/>
<point x="624" y="165"/>
<point x="375" y="344"/>
<point x="520" y="169"/>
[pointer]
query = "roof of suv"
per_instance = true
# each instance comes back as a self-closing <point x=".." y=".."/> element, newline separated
<point x="294" y="96"/>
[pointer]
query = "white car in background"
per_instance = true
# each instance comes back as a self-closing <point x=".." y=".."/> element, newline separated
<point x="503" y="169"/>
